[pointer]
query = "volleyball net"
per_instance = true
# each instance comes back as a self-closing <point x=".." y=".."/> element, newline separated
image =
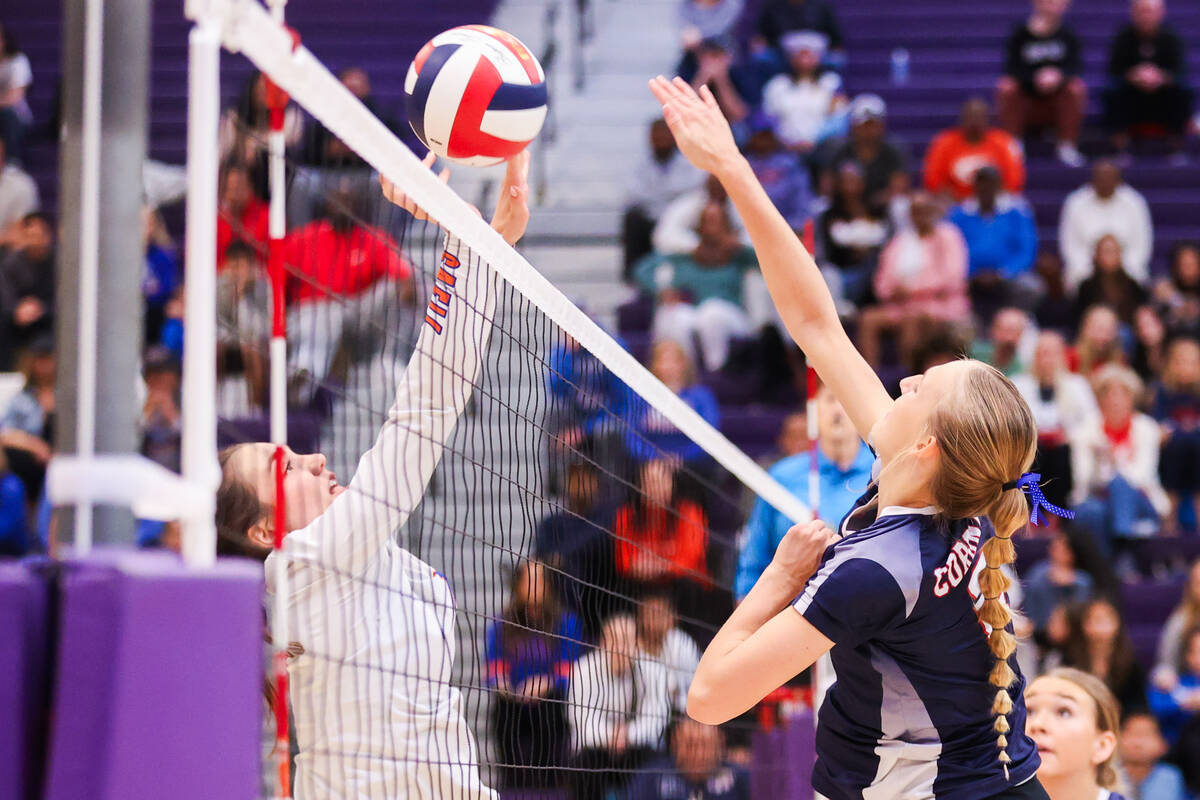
<point x="535" y="538"/>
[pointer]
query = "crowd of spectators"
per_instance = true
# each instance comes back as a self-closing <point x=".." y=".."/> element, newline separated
<point x="589" y="662"/>
<point x="931" y="261"/>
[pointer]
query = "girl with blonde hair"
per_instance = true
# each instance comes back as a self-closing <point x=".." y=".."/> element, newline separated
<point x="910" y="600"/>
<point x="1074" y="720"/>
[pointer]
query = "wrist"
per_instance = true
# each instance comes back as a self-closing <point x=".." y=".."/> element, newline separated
<point x="783" y="582"/>
<point x="731" y="168"/>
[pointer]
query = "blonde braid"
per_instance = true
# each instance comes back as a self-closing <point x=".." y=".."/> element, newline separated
<point x="993" y="583"/>
<point x="987" y="438"/>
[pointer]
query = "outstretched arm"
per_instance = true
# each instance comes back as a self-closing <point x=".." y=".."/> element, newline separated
<point x="432" y="394"/>
<point x="795" y="282"/>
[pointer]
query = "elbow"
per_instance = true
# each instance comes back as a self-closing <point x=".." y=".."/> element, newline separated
<point x="702" y="705"/>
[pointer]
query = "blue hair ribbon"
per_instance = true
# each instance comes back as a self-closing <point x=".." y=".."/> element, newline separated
<point x="1028" y="483"/>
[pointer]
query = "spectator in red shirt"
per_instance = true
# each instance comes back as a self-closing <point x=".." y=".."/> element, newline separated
<point x="341" y="272"/>
<point x="956" y="154"/>
<point x="659" y="535"/>
<point x="240" y="214"/>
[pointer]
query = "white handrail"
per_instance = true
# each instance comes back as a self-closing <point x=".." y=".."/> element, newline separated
<point x="151" y="490"/>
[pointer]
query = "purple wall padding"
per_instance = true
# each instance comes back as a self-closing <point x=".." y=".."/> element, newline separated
<point x="24" y="663"/>
<point x="783" y="760"/>
<point x="158" y="691"/>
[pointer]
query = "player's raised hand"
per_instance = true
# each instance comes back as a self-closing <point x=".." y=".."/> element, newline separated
<point x="512" y="206"/>
<point x="799" y="553"/>
<point x="701" y="130"/>
<point x="396" y="195"/>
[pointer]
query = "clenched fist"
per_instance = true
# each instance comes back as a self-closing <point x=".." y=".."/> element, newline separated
<point x="800" y="552"/>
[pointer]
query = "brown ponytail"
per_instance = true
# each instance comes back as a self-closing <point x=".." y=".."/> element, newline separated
<point x="987" y="437"/>
<point x="238" y="510"/>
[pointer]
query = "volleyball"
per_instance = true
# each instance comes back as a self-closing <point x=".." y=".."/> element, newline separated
<point x="475" y="95"/>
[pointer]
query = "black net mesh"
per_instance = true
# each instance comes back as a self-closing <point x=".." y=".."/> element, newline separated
<point x="513" y="589"/>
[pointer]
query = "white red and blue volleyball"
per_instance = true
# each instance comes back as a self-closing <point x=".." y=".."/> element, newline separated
<point x="475" y="95"/>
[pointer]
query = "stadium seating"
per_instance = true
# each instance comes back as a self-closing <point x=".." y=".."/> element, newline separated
<point x="378" y="36"/>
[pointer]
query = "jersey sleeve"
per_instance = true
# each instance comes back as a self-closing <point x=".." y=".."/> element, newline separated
<point x="437" y="384"/>
<point x="851" y="598"/>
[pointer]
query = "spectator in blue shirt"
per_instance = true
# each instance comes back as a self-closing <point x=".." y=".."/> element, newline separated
<point x="650" y="434"/>
<point x="696" y="770"/>
<point x="1177" y="703"/>
<point x="844" y="470"/>
<point x="530" y="653"/>
<point x="1001" y="245"/>
<point x="1142" y="747"/>
<point x="576" y="544"/>
<point x="587" y="412"/>
<point x="1056" y="581"/>
<point x="163" y="275"/>
<point x="779" y="171"/>
<point x="14" y="533"/>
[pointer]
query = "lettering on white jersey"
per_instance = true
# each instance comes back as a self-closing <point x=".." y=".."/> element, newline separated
<point x="439" y="304"/>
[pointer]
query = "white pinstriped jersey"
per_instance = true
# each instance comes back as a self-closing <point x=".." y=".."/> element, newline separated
<point x="376" y="715"/>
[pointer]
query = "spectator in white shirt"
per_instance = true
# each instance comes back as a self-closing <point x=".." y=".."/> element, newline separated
<point x="15" y="78"/>
<point x="678" y="229"/>
<point x="619" y="708"/>
<point x="660" y="639"/>
<point x="1102" y="207"/>
<point x="660" y="176"/>
<point x="1062" y="404"/>
<point x="18" y="193"/>
<point x="1114" y="463"/>
<point x="803" y="99"/>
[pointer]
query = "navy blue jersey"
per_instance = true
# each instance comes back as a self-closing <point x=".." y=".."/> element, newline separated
<point x="911" y="712"/>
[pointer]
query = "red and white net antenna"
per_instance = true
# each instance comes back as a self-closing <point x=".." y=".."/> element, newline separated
<point x="277" y="101"/>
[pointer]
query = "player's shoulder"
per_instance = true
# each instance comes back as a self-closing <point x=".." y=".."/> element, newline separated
<point x="891" y="541"/>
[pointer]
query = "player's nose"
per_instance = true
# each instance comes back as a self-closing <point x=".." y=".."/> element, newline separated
<point x="316" y="463"/>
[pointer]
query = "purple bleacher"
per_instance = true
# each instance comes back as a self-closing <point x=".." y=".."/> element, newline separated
<point x="377" y="35"/>
<point x="1145" y="643"/>
<point x="1031" y="549"/>
<point x="753" y="428"/>
<point x="303" y="434"/>
<point x="1150" y="602"/>
<point x="783" y="760"/>
<point x="158" y="684"/>
<point x="25" y="630"/>
<point x="1145" y="606"/>
<point x="956" y="50"/>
